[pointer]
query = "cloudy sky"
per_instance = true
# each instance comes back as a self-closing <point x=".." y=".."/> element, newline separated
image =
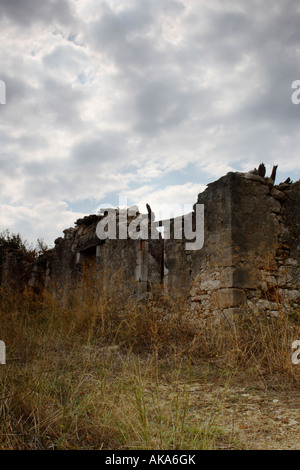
<point x="149" y="99"/>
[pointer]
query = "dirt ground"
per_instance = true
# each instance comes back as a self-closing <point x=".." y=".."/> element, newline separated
<point x="250" y="417"/>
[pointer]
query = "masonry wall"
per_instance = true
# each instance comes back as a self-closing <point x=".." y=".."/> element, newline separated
<point x="17" y="271"/>
<point x="199" y="274"/>
<point x="250" y="258"/>
<point x="251" y="253"/>
<point x="265" y="221"/>
<point x="81" y="258"/>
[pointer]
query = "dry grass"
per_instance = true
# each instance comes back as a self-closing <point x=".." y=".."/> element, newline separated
<point x="109" y="372"/>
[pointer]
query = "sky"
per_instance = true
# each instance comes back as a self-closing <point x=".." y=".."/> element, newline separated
<point x="150" y="100"/>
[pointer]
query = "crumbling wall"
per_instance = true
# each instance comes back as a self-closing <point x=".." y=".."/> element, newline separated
<point x="201" y="273"/>
<point x="250" y="258"/>
<point x="17" y="271"/>
<point x="265" y="240"/>
<point x="82" y="258"/>
<point x="251" y="246"/>
<point x="285" y="279"/>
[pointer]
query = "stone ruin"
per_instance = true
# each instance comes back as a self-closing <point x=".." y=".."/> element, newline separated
<point x="250" y="258"/>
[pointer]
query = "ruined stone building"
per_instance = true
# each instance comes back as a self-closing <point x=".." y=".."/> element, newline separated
<point x="250" y="257"/>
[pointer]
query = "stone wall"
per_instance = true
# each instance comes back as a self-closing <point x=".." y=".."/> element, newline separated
<point x="81" y="257"/>
<point x="17" y="271"/>
<point x="257" y="229"/>
<point x="250" y="257"/>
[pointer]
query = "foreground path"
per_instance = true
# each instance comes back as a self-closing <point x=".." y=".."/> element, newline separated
<point x="251" y="418"/>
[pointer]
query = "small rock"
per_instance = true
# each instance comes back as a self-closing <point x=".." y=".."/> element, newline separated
<point x="292" y="422"/>
<point x="278" y="194"/>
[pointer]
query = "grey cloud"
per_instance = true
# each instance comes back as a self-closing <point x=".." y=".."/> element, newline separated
<point x="131" y="37"/>
<point x="62" y="103"/>
<point x="8" y="164"/>
<point x="242" y="28"/>
<point x="110" y="38"/>
<point x="275" y="21"/>
<point x="160" y="106"/>
<point x="52" y="100"/>
<point x="272" y="108"/>
<point x="22" y="101"/>
<point x="18" y="90"/>
<point x="219" y="25"/>
<point x="140" y="16"/>
<point x="105" y="150"/>
<point x="27" y="13"/>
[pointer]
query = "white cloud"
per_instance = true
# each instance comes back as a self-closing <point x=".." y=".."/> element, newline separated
<point x="154" y="99"/>
<point x="44" y="219"/>
<point x="170" y="201"/>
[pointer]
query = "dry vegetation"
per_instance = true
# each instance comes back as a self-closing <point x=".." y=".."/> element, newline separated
<point x="109" y="372"/>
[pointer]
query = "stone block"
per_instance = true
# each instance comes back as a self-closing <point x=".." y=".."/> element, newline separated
<point x="278" y="194"/>
<point x="226" y="298"/>
<point x="226" y="278"/>
<point x="290" y="262"/>
<point x="245" y="278"/>
<point x="266" y="305"/>
<point x="209" y="284"/>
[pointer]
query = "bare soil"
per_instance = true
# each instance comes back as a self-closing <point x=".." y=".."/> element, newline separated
<point x="258" y="417"/>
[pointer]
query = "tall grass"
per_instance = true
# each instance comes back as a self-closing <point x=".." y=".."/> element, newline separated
<point x="110" y="372"/>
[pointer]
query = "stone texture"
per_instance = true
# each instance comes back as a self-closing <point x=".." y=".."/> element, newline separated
<point x="250" y="257"/>
<point x="225" y="298"/>
<point x="278" y="194"/>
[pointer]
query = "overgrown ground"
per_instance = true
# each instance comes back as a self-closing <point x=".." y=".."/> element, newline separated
<point x="122" y="374"/>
